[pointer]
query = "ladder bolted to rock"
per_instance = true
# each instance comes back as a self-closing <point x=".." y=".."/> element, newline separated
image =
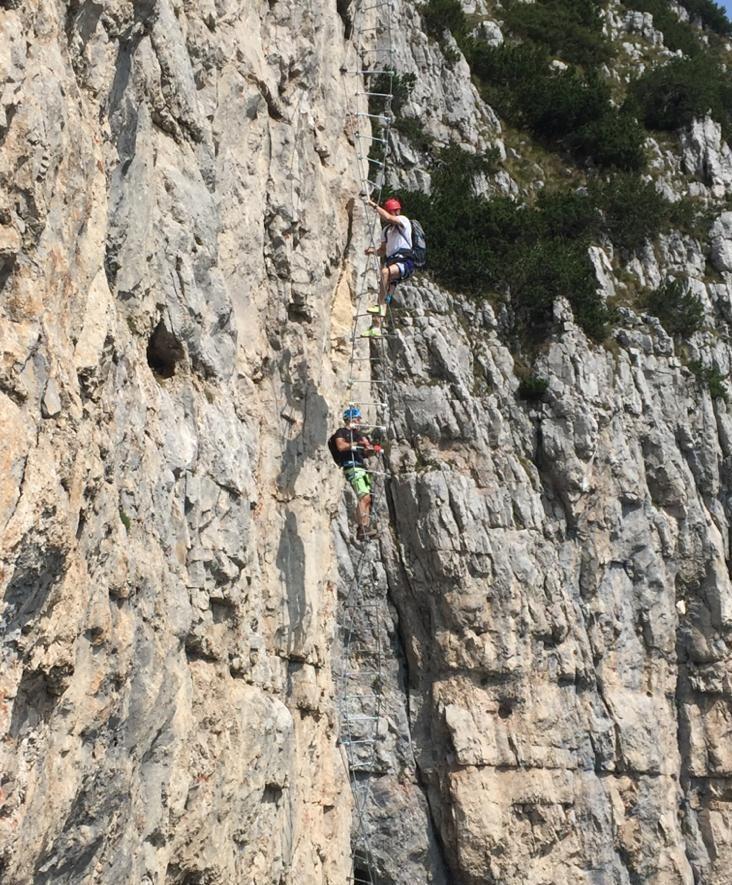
<point x="361" y="688"/>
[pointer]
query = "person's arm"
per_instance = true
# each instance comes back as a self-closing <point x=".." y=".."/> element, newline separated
<point x="379" y="250"/>
<point x="384" y="215"/>
<point x="342" y="445"/>
<point x="355" y="441"/>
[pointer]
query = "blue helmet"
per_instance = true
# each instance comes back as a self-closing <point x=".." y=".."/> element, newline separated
<point x="351" y="413"/>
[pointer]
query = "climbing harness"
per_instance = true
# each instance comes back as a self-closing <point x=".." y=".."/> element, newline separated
<point x="360" y="683"/>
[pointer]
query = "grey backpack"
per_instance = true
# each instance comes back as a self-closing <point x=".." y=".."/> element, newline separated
<point x="419" y="245"/>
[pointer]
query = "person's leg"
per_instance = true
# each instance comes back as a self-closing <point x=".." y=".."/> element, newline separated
<point x="361" y="485"/>
<point x="363" y="511"/>
<point x="389" y="276"/>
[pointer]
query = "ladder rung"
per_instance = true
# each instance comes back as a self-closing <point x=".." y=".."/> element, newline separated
<point x="387" y="120"/>
<point x="364" y="71"/>
<point x="370" y="160"/>
<point x="347" y="742"/>
<point x="371" y="138"/>
<point x="377" y="94"/>
<point x="348" y="674"/>
<point x="361" y="718"/>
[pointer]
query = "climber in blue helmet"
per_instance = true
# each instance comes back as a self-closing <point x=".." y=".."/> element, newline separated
<point x="350" y="446"/>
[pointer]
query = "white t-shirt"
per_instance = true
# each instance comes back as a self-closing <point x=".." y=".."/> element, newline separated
<point x="397" y="236"/>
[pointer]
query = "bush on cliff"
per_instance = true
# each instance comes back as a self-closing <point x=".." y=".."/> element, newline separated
<point x="445" y="15"/>
<point x="568" y="29"/>
<point x="565" y="109"/>
<point x="539" y="252"/>
<point x="680" y="312"/>
<point x="711" y="15"/>
<point x="671" y="96"/>
<point x="676" y="34"/>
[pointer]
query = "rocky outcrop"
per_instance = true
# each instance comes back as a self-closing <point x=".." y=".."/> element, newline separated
<point x="557" y="564"/>
<point x="707" y="156"/>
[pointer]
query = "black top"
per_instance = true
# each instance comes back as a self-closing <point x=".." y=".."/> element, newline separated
<point x="352" y="457"/>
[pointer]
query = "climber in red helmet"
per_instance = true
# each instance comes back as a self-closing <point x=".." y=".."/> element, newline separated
<point x="396" y="247"/>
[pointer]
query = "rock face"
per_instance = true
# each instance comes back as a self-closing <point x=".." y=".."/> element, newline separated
<point x="166" y="378"/>
<point x="179" y="243"/>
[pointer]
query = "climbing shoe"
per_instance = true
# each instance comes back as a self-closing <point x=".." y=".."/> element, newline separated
<point x="373" y="332"/>
<point x="378" y="310"/>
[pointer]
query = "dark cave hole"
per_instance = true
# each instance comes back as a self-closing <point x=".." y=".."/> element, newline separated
<point x="505" y="708"/>
<point x="164" y="351"/>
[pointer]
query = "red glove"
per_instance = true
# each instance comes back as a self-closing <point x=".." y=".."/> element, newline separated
<point x="378" y="449"/>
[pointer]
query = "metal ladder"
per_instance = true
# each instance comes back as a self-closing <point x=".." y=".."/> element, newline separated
<point x="360" y="690"/>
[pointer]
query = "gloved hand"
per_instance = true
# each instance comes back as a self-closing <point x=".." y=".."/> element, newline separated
<point x="378" y="449"/>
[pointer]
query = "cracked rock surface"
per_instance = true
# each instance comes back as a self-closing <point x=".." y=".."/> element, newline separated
<point x="179" y="247"/>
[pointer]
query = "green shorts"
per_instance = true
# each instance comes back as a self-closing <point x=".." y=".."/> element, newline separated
<point x="360" y="480"/>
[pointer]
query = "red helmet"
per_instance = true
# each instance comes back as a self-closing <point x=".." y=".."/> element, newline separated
<point x="392" y="205"/>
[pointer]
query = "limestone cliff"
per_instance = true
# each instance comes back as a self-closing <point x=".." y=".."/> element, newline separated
<point x="180" y="239"/>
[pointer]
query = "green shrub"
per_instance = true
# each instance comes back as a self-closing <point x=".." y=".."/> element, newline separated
<point x="455" y="169"/>
<point x="537" y="253"/>
<point x="399" y="85"/>
<point x="711" y="378"/>
<point x="412" y="129"/>
<point x="532" y="388"/>
<point x="680" y="312"/>
<point x="710" y="14"/>
<point x="543" y="271"/>
<point x="570" y="29"/>
<point x="615" y="139"/>
<point x="673" y="95"/>
<point x="676" y="34"/>
<point x="566" y="109"/>
<point x="554" y="104"/>
<point x="565" y="214"/>
<point x="445" y="15"/>
<point x="507" y="64"/>
<point x="633" y="210"/>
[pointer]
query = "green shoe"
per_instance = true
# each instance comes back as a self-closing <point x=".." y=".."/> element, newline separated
<point x="378" y="310"/>
<point x="373" y="332"/>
